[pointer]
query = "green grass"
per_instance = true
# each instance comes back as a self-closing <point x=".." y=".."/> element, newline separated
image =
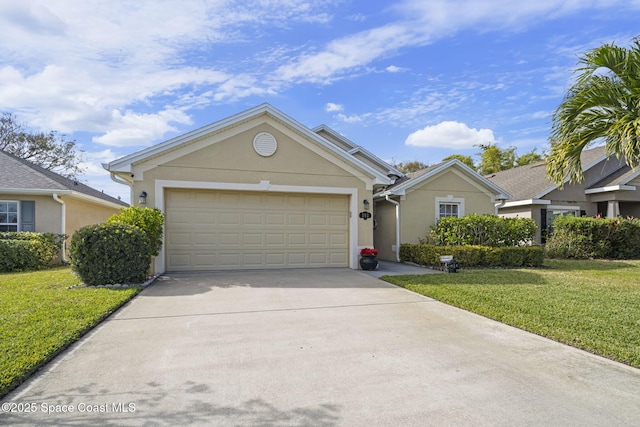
<point x="592" y="305"/>
<point x="40" y="316"/>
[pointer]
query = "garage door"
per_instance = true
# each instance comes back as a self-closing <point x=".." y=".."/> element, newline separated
<point x="222" y="230"/>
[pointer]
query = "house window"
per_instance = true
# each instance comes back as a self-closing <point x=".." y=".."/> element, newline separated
<point x="448" y="209"/>
<point x="553" y="213"/>
<point x="449" y="206"/>
<point x="8" y="216"/>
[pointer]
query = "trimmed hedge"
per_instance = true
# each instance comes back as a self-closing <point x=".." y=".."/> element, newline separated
<point x="484" y="230"/>
<point x="21" y="251"/>
<point x="585" y="237"/>
<point x="474" y="255"/>
<point x="110" y="253"/>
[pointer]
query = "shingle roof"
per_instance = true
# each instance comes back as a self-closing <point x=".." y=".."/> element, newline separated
<point x="17" y="173"/>
<point x="414" y="175"/>
<point x="621" y="177"/>
<point x="530" y="181"/>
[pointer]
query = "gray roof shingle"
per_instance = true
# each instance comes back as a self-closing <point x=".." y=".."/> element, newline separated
<point x="17" y="173"/>
<point x="529" y="181"/>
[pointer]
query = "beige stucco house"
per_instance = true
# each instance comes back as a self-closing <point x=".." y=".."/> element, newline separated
<point x="257" y="190"/>
<point x="35" y="199"/>
<point x="405" y="211"/>
<point x="610" y="189"/>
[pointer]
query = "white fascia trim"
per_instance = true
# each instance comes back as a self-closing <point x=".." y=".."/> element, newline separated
<point x="161" y="185"/>
<point x="34" y="192"/>
<point x="483" y="184"/>
<point x="526" y="203"/>
<point x="473" y="175"/>
<point x="564" y="208"/>
<point x="610" y="188"/>
<point x="355" y="148"/>
<point x="124" y="164"/>
<point x="336" y="135"/>
<point x="383" y="194"/>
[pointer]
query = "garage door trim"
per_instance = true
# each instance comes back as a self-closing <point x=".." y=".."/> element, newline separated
<point x="266" y="186"/>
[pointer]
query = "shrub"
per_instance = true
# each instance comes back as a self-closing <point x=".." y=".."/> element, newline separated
<point x="484" y="230"/>
<point x="110" y="253"/>
<point x="21" y="251"/>
<point x="474" y="255"/>
<point x="150" y="220"/>
<point x="584" y="238"/>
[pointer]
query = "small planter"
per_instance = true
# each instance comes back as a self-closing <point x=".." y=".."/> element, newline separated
<point x="368" y="262"/>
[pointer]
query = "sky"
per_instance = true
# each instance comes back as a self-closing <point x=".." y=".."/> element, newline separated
<point x="412" y="80"/>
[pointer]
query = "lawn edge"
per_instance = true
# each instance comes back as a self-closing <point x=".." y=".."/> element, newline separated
<point x="557" y="340"/>
<point x="81" y="334"/>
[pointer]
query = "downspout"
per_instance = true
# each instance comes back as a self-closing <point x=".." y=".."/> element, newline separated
<point x="63" y="224"/>
<point x="397" y="226"/>
<point x="119" y="180"/>
<point x="501" y="204"/>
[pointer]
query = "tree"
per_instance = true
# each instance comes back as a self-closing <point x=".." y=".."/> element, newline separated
<point x="494" y="159"/>
<point x="410" y="166"/>
<point x="602" y="105"/>
<point x="529" y="158"/>
<point x="49" y="150"/>
<point x="467" y="160"/>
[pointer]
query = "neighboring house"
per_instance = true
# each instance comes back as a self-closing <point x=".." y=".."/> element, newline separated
<point x="405" y="211"/>
<point x="260" y="190"/>
<point x="35" y="199"/>
<point x="610" y="189"/>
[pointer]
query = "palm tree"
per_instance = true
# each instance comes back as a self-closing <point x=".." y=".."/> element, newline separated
<point x="602" y="105"/>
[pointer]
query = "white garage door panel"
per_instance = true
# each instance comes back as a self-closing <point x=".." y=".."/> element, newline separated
<point x="213" y="230"/>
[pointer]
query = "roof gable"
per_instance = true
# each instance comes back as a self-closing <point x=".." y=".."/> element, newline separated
<point x="187" y="142"/>
<point x="415" y="179"/>
<point x="357" y="151"/>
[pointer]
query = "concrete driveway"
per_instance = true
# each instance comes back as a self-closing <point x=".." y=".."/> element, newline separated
<point x="317" y="348"/>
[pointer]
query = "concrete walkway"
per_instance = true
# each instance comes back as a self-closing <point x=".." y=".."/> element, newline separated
<point x="317" y="348"/>
<point x="388" y="268"/>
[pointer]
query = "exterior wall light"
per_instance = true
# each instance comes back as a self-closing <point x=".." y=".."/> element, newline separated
<point x="142" y="198"/>
<point x="365" y="202"/>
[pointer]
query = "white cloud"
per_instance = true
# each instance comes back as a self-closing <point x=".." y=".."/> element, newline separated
<point x="393" y="69"/>
<point x="333" y="107"/>
<point x="132" y="129"/>
<point x="447" y="16"/>
<point x="92" y="162"/>
<point x="350" y="119"/>
<point x="348" y="54"/>
<point x="451" y="135"/>
<point x="68" y="65"/>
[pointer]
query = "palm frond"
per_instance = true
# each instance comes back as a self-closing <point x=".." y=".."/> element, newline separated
<point x="603" y="104"/>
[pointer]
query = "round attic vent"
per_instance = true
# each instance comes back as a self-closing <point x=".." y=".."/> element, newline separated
<point x="265" y="144"/>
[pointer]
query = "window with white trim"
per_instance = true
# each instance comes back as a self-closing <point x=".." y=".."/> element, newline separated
<point x="8" y="216"/>
<point x="448" y="209"/>
<point x="449" y="206"/>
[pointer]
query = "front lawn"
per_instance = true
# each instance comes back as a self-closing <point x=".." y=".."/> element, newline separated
<point x="40" y="316"/>
<point x="592" y="305"/>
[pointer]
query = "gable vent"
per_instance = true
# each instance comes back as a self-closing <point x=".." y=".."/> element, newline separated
<point x="265" y="144"/>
